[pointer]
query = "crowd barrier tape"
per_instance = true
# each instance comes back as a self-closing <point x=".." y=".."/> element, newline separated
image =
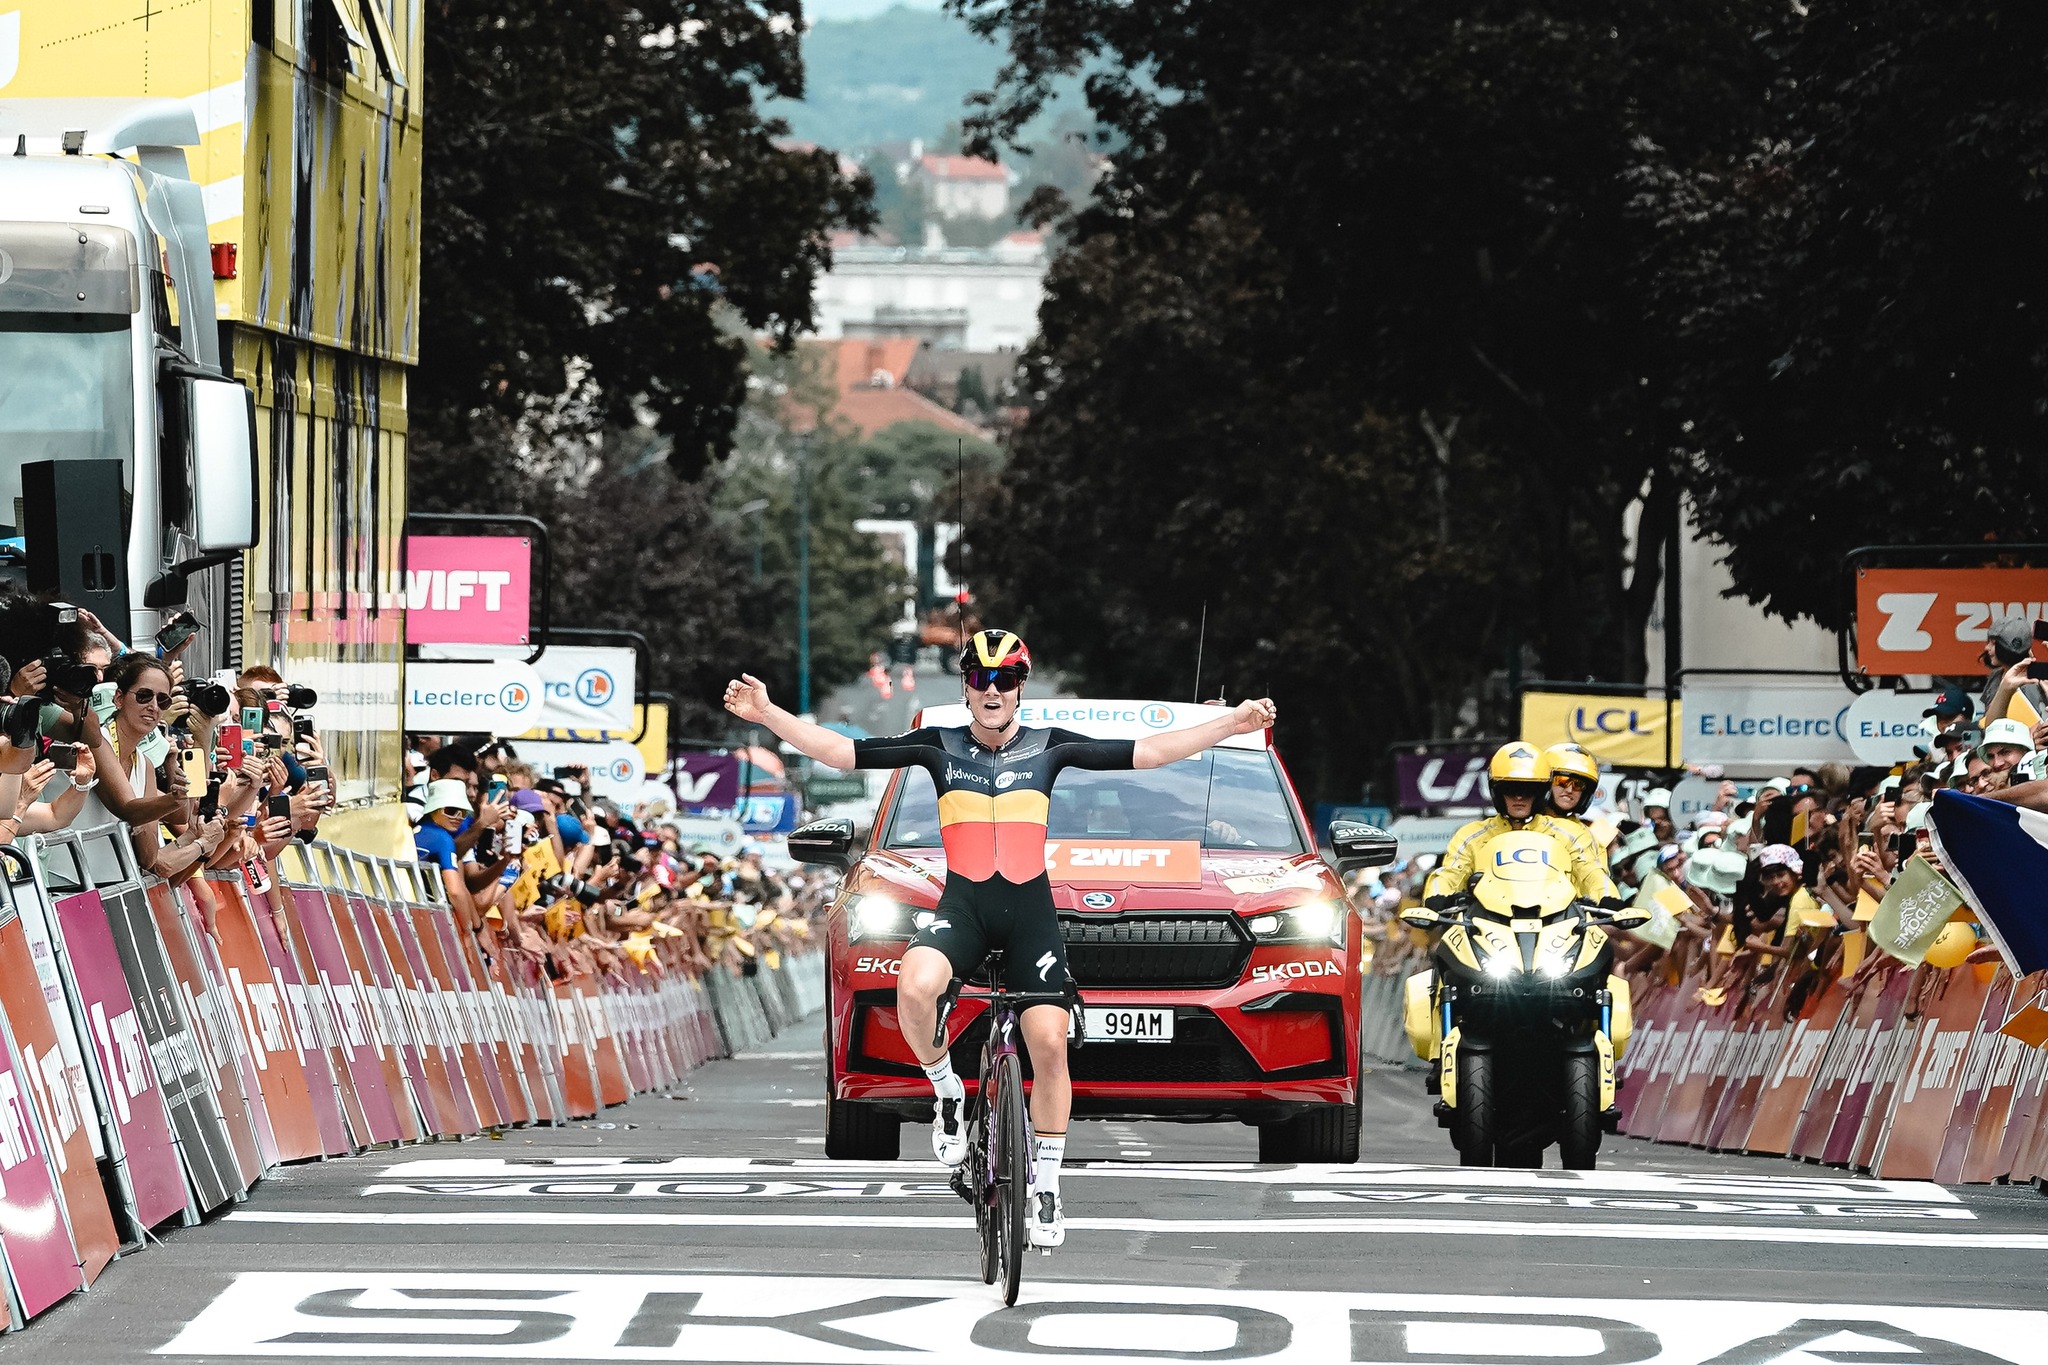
<point x="1898" y="1071"/>
<point x="162" y="1049"/>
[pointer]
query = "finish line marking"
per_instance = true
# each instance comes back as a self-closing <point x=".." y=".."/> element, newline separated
<point x="1726" y="1186"/>
<point x="1289" y="1227"/>
<point x="781" y="1320"/>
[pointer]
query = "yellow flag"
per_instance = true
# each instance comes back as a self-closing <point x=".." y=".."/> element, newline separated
<point x="1866" y="906"/>
<point x="2029" y="1024"/>
<point x="2022" y="710"/>
<point x="1604" y="831"/>
<point x="1727" y="943"/>
<point x="1854" y="945"/>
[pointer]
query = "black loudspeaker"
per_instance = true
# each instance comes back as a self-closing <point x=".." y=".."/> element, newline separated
<point x="73" y="523"/>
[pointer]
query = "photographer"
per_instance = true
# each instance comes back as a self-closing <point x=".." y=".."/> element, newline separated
<point x="141" y="690"/>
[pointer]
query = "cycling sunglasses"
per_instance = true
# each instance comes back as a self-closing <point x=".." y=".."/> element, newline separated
<point x="1002" y="679"/>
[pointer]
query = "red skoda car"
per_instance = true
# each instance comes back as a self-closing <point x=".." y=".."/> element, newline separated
<point x="1216" y="957"/>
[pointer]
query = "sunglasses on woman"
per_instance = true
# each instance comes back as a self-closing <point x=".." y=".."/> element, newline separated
<point x="1001" y="679"/>
<point x="144" y="697"/>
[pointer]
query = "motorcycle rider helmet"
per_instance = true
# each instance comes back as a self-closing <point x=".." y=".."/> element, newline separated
<point x="1572" y="761"/>
<point x="996" y="649"/>
<point x="1517" y="769"/>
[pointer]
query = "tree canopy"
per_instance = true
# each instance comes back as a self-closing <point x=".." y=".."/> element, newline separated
<point x="599" y="179"/>
<point x="1399" y="337"/>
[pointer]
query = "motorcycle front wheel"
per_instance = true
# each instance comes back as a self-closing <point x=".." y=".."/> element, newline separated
<point x="1476" y="1109"/>
<point x="1579" y="1141"/>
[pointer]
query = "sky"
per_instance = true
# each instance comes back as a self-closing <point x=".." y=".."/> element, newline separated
<point x="818" y="10"/>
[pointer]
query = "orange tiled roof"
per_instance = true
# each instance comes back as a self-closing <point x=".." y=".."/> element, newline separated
<point x="855" y="361"/>
<point x="873" y="410"/>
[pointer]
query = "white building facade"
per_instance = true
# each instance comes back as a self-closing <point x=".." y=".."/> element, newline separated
<point x="955" y="298"/>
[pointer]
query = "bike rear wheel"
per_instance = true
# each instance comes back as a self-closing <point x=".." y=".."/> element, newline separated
<point x="1010" y="1159"/>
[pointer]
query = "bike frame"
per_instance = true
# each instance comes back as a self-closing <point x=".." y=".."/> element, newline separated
<point x="980" y="1180"/>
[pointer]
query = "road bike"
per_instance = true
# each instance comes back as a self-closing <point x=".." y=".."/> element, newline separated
<point x="996" y="1176"/>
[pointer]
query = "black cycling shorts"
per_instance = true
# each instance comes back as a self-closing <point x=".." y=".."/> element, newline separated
<point x="974" y="917"/>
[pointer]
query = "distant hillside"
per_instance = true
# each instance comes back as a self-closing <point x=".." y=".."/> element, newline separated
<point x="901" y="74"/>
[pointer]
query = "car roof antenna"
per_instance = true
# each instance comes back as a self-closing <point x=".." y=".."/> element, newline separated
<point x="1201" y="638"/>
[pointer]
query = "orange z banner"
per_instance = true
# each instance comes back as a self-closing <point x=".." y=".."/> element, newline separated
<point x="1937" y="620"/>
<point x="1122" y="862"/>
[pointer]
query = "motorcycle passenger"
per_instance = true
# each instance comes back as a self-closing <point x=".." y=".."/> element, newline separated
<point x="1574" y="777"/>
<point x="1520" y="779"/>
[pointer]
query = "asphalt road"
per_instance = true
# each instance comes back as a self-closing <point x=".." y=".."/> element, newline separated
<point x="707" y="1226"/>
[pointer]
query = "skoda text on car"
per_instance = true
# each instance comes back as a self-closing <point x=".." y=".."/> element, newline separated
<point x="1215" y="954"/>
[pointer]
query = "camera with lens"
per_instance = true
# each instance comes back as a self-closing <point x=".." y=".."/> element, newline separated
<point x="562" y="884"/>
<point x="62" y="672"/>
<point x="208" y="697"/>
<point x="297" y="697"/>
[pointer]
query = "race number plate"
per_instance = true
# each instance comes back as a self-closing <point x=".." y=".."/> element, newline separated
<point x="1115" y="1025"/>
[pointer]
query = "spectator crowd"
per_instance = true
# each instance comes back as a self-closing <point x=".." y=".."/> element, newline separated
<point x="212" y="773"/>
<point x="1793" y="871"/>
<point x="203" y="773"/>
<point x="538" y="865"/>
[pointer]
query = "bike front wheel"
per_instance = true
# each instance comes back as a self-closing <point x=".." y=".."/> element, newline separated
<point x="1010" y="1160"/>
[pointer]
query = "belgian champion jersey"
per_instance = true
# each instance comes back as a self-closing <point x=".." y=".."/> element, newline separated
<point x="993" y="803"/>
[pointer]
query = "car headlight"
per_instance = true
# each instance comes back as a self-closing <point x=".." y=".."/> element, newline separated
<point x="876" y="916"/>
<point x="1309" y="922"/>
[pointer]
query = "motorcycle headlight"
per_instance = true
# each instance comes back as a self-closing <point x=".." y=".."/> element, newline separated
<point x="1500" y="964"/>
<point x="1309" y="922"/>
<point x="876" y="916"/>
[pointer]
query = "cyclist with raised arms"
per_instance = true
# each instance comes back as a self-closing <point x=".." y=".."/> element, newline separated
<point x="994" y="778"/>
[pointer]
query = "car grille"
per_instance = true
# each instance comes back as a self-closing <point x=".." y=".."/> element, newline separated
<point x="1156" y="950"/>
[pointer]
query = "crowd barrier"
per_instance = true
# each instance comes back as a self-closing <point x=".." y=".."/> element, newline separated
<point x="1894" y="1070"/>
<point x="162" y="1049"/>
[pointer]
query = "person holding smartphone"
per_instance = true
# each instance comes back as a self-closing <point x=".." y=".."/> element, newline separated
<point x="142" y="689"/>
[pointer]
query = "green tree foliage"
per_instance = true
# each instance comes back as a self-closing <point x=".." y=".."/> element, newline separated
<point x="607" y="213"/>
<point x="634" y="548"/>
<point x="856" y="590"/>
<point x="599" y="180"/>
<point x="1319" y="246"/>
<point x="1861" y="298"/>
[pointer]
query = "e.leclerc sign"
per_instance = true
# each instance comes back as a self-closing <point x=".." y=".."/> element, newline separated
<point x="497" y="698"/>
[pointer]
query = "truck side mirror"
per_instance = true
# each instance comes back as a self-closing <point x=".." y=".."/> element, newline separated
<point x="223" y="414"/>
<point x="826" y="843"/>
<point x="1358" y="845"/>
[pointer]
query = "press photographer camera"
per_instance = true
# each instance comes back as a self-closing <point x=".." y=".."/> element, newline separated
<point x="562" y="884"/>
<point x="208" y="697"/>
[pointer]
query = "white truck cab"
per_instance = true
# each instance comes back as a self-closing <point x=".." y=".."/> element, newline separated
<point x="110" y="363"/>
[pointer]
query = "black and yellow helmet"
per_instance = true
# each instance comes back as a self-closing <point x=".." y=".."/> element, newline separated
<point x="1517" y="765"/>
<point x="996" y="649"/>
<point x="1573" y="760"/>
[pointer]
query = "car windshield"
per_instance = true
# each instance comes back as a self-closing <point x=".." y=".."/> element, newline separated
<point x="1227" y="798"/>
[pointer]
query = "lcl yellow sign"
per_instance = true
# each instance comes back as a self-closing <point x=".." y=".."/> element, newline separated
<point x="1626" y="731"/>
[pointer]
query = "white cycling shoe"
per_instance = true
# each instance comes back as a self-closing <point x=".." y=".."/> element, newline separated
<point x="949" y="1134"/>
<point x="1048" y="1220"/>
